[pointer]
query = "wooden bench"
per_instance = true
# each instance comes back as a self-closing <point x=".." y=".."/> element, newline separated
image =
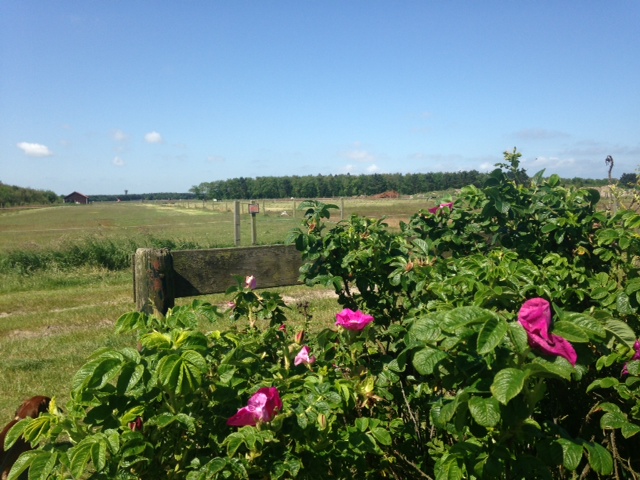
<point x="160" y="275"/>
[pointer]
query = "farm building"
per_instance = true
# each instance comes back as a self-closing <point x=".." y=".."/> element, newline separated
<point x="77" y="197"/>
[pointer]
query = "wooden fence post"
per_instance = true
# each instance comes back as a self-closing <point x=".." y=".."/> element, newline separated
<point x="154" y="286"/>
<point x="236" y="223"/>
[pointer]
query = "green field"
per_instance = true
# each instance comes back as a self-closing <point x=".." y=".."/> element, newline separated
<point x="53" y="316"/>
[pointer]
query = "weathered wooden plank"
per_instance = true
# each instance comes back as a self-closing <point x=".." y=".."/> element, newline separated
<point x="202" y="272"/>
<point x="153" y="280"/>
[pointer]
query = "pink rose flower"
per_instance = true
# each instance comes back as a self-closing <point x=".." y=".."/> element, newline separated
<point x="636" y="356"/>
<point x="304" y="358"/>
<point x="250" y="282"/>
<point x="535" y="317"/>
<point x="351" y="320"/>
<point x="441" y="206"/>
<point x="262" y="407"/>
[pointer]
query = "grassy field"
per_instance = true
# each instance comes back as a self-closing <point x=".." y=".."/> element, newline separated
<point x="54" y="314"/>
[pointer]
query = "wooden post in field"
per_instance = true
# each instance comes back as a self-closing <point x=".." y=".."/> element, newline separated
<point x="236" y="222"/>
<point x="264" y="210"/>
<point x="293" y="213"/>
<point x="341" y="208"/>
<point x="154" y="286"/>
<point x="254" y="234"/>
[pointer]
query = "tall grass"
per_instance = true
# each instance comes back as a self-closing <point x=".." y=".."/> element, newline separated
<point x="86" y="251"/>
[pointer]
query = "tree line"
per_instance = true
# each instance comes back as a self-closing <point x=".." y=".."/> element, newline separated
<point x="346" y="185"/>
<point x="14" y="196"/>
<point x="308" y="186"/>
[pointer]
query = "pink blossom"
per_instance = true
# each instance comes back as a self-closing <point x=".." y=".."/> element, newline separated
<point x="262" y="407"/>
<point x="231" y="305"/>
<point x="250" y="282"/>
<point x="636" y="356"/>
<point x="441" y="206"/>
<point x="137" y="425"/>
<point x="304" y="358"/>
<point x="535" y="317"/>
<point x="283" y="328"/>
<point x="351" y="320"/>
<point x="299" y="338"/>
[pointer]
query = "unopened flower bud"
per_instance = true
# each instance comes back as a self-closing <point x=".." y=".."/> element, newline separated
<point x="322" y="421"/>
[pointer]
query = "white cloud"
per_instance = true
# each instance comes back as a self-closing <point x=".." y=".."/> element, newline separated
<point x="118" y="162"/>
<point x="215" y="159"/>
<point x="358" y="155"/>
<point x="34" y="149"/>
<point x="373" y="168"/>
<point x="153" y="137"/>
<point x="120" y="136"/>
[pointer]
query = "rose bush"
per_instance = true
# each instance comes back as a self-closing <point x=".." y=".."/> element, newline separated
<point x="462" y="374"/>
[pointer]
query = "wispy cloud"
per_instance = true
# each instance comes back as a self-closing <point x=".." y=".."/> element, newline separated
<point x="153" y="137"/>
<point x="34" y="149"/>
<point x="120" y="136"/>
<point x="215" y="159"/>
<point x="372" y="168"/>
<point x="118" y="162"/>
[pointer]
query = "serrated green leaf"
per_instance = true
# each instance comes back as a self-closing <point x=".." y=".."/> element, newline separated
<point x="22" y="463"/>
<point x="629" y="429"/>
<point x="622" y="304"/>
<point x="507" y="384"/>
<point x="491" y="334"/>
<point x="425" y="330"/>
<point x="464" y="316"/>
<point x="485" y="411"/>
<point x="621" y="330"/>
<point x="79" y="457"/>
<point x="381" y="435"/>
<point x="599" y="458"/>
<point x="612" y="420"/>
<point x="587" y="323"/>
<point x="426" y="359"/>
<point x="571" y="453"/>
<point x="156" y="340"/>
<point x="447" y="468"/>
<point x="570" y="332"/>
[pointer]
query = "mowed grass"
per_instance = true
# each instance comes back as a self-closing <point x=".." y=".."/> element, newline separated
<point x="54" y="315"/>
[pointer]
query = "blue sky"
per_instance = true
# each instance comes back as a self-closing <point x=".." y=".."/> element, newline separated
<point x="104" y="96"/>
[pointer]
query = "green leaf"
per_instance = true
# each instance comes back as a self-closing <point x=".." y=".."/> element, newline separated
<point x="79" y="457"/>
<point x="599" y="458"/>
<point x="629" y="429"/>
<point x="156" y="341"/>
<point x="23" y="462"/>
<point x="425" y="360"/>
<point x="587" y="323"/>
<point x="463" y="316"/>
<point x="621" y="330"/>
<point x="612" y="420"/>
<point x="571" y="453"/>
<point x="424" y="330"/>
<point x="622" y="304"/>
<point x="518" y="336"/>
<point x="485" y="411"/>
<point x="14" y="434"/>
<point x="491" y="334"/>
<point x="507" y="384"/>
<point x="381" y="435"/>
<point x="447" y="468"/>
<point x="570" y="332"/>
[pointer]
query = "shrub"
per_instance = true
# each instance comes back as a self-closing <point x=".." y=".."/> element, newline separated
<point x="503" y="345"/>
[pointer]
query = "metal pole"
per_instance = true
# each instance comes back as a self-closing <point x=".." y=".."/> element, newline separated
<point x="236" y="222"/>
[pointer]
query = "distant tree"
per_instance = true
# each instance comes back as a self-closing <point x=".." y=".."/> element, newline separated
<point x="628" y="180"/>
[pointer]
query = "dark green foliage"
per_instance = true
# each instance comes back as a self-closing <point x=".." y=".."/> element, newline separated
<point x="444" y="384"/>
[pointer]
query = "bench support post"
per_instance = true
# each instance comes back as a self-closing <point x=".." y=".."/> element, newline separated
<point x="154" y="282"/>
